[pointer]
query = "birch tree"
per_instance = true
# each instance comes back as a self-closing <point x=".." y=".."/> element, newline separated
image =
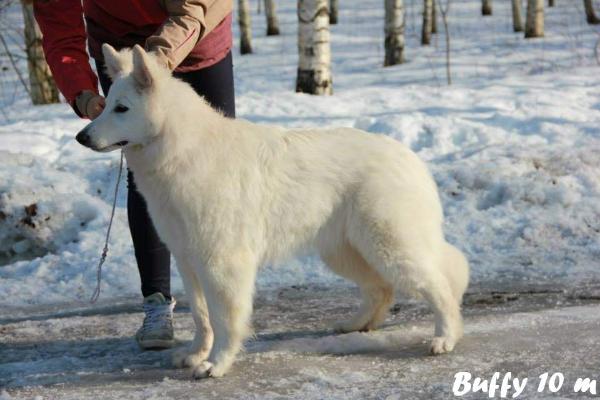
<point x="589" y="13"/>
<point x="486" y="7"/>
<point x="516" y="13"/>
<point x="272" y="22"/>
<point x="394" y="32"/>
<point x="42" y="88"/>
<point x="534" y="23"/>
<point x="314" y="50"/>
<point x="333" y="12"/>
<point x="245" y="27"/>
<point x="427" y="22"/>
<point x="444" y="11"/>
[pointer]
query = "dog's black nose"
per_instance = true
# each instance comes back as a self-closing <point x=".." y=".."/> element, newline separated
<point x="83" y="138"/>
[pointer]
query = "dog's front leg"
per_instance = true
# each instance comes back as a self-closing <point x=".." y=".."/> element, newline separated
<point x="199" y="350"/>
<point x="229" y="288"/>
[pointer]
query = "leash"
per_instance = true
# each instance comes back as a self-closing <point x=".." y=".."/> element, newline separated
<point x="105" y="249"/>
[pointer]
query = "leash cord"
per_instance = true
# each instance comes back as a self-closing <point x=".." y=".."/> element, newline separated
<point x="96" y="294"/>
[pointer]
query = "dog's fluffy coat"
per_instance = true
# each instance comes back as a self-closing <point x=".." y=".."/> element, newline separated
<point x="227" y="196"/>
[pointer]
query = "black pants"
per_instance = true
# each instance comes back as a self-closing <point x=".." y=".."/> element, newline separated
<point x="215" y="83"/>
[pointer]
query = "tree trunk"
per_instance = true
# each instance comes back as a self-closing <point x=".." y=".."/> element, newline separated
<point x="517" y="19"/>
<point x="333" y="12"/>
<point x="272" y="23"/>
<point x="245" y="30"/>
<point x="426" y="28"/>
<point x="486" y="7"/>
<point x="534" y="24"/>
<point x="314" y="52"/>
<point x="42" y="87"/>
<point x="550" y="3"/>
<point x="444" y="12"/>
<point x="589" y="12"/>
<point x="394" y="32"/>
<point x="434" y="17"/>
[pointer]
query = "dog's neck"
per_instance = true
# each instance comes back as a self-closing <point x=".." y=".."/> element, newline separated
<point x="186" y="134"/>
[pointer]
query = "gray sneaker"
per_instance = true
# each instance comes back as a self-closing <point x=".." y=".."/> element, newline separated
<point x="157" y="330"/>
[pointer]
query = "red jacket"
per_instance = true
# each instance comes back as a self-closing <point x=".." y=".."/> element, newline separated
<point x="119" y="23"/>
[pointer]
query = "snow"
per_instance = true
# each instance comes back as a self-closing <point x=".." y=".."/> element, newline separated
<point x="513" y="144"/>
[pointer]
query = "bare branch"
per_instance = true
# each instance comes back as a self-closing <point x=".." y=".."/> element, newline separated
<point x="14" y="64"/>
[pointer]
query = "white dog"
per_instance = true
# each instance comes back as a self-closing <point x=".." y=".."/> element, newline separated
<point x="228" y="195"/>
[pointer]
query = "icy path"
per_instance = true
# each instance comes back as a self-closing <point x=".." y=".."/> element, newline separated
<point x="295" y="355"/>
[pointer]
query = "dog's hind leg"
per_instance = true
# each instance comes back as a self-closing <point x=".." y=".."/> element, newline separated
<point x="229" y="287"/>
<point x="377" y="294"/>
<point x="414" y="262"/>
<point x="422" y="275"/>
<point x="448" y="321"/>
<point x="199" y="350"/>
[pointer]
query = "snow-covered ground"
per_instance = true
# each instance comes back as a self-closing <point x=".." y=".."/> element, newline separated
<point x="513" y="144"/>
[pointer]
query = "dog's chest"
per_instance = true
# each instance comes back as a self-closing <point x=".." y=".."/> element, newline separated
<point x="167" y="212"/>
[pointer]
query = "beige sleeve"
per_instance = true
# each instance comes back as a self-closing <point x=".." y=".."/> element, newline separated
<point x="179" y="34"/>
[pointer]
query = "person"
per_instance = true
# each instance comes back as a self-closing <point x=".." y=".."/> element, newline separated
<point x="191" y="37"/>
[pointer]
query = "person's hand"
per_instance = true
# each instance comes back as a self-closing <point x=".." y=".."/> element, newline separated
<point x="90" y="104"/>
<point x="95" y="106"/>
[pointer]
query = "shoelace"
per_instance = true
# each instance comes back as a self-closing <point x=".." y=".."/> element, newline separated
<point x="157" y="316"/>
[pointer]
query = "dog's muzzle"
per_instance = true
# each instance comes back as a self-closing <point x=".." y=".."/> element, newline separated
<point x="83" y="138"/>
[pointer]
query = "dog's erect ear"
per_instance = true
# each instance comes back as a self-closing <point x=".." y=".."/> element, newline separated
<point x="112" y="61"/>
<point x="143" y="68"/>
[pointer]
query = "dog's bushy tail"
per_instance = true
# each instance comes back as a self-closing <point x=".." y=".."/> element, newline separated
<point x="456" y="269"/>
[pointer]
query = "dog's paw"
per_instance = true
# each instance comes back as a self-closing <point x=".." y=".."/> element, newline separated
<point x="203" y="370"/>
<point x="441" y="345"/>
<point x="183" y="358"/>
<point x="219" y="369"/>
<point x="206" y="369"/>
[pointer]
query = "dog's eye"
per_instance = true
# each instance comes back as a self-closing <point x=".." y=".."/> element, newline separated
<point x="121" y="108"/>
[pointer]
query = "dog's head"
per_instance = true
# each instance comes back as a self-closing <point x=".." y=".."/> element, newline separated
<point x="134" y="112"/>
